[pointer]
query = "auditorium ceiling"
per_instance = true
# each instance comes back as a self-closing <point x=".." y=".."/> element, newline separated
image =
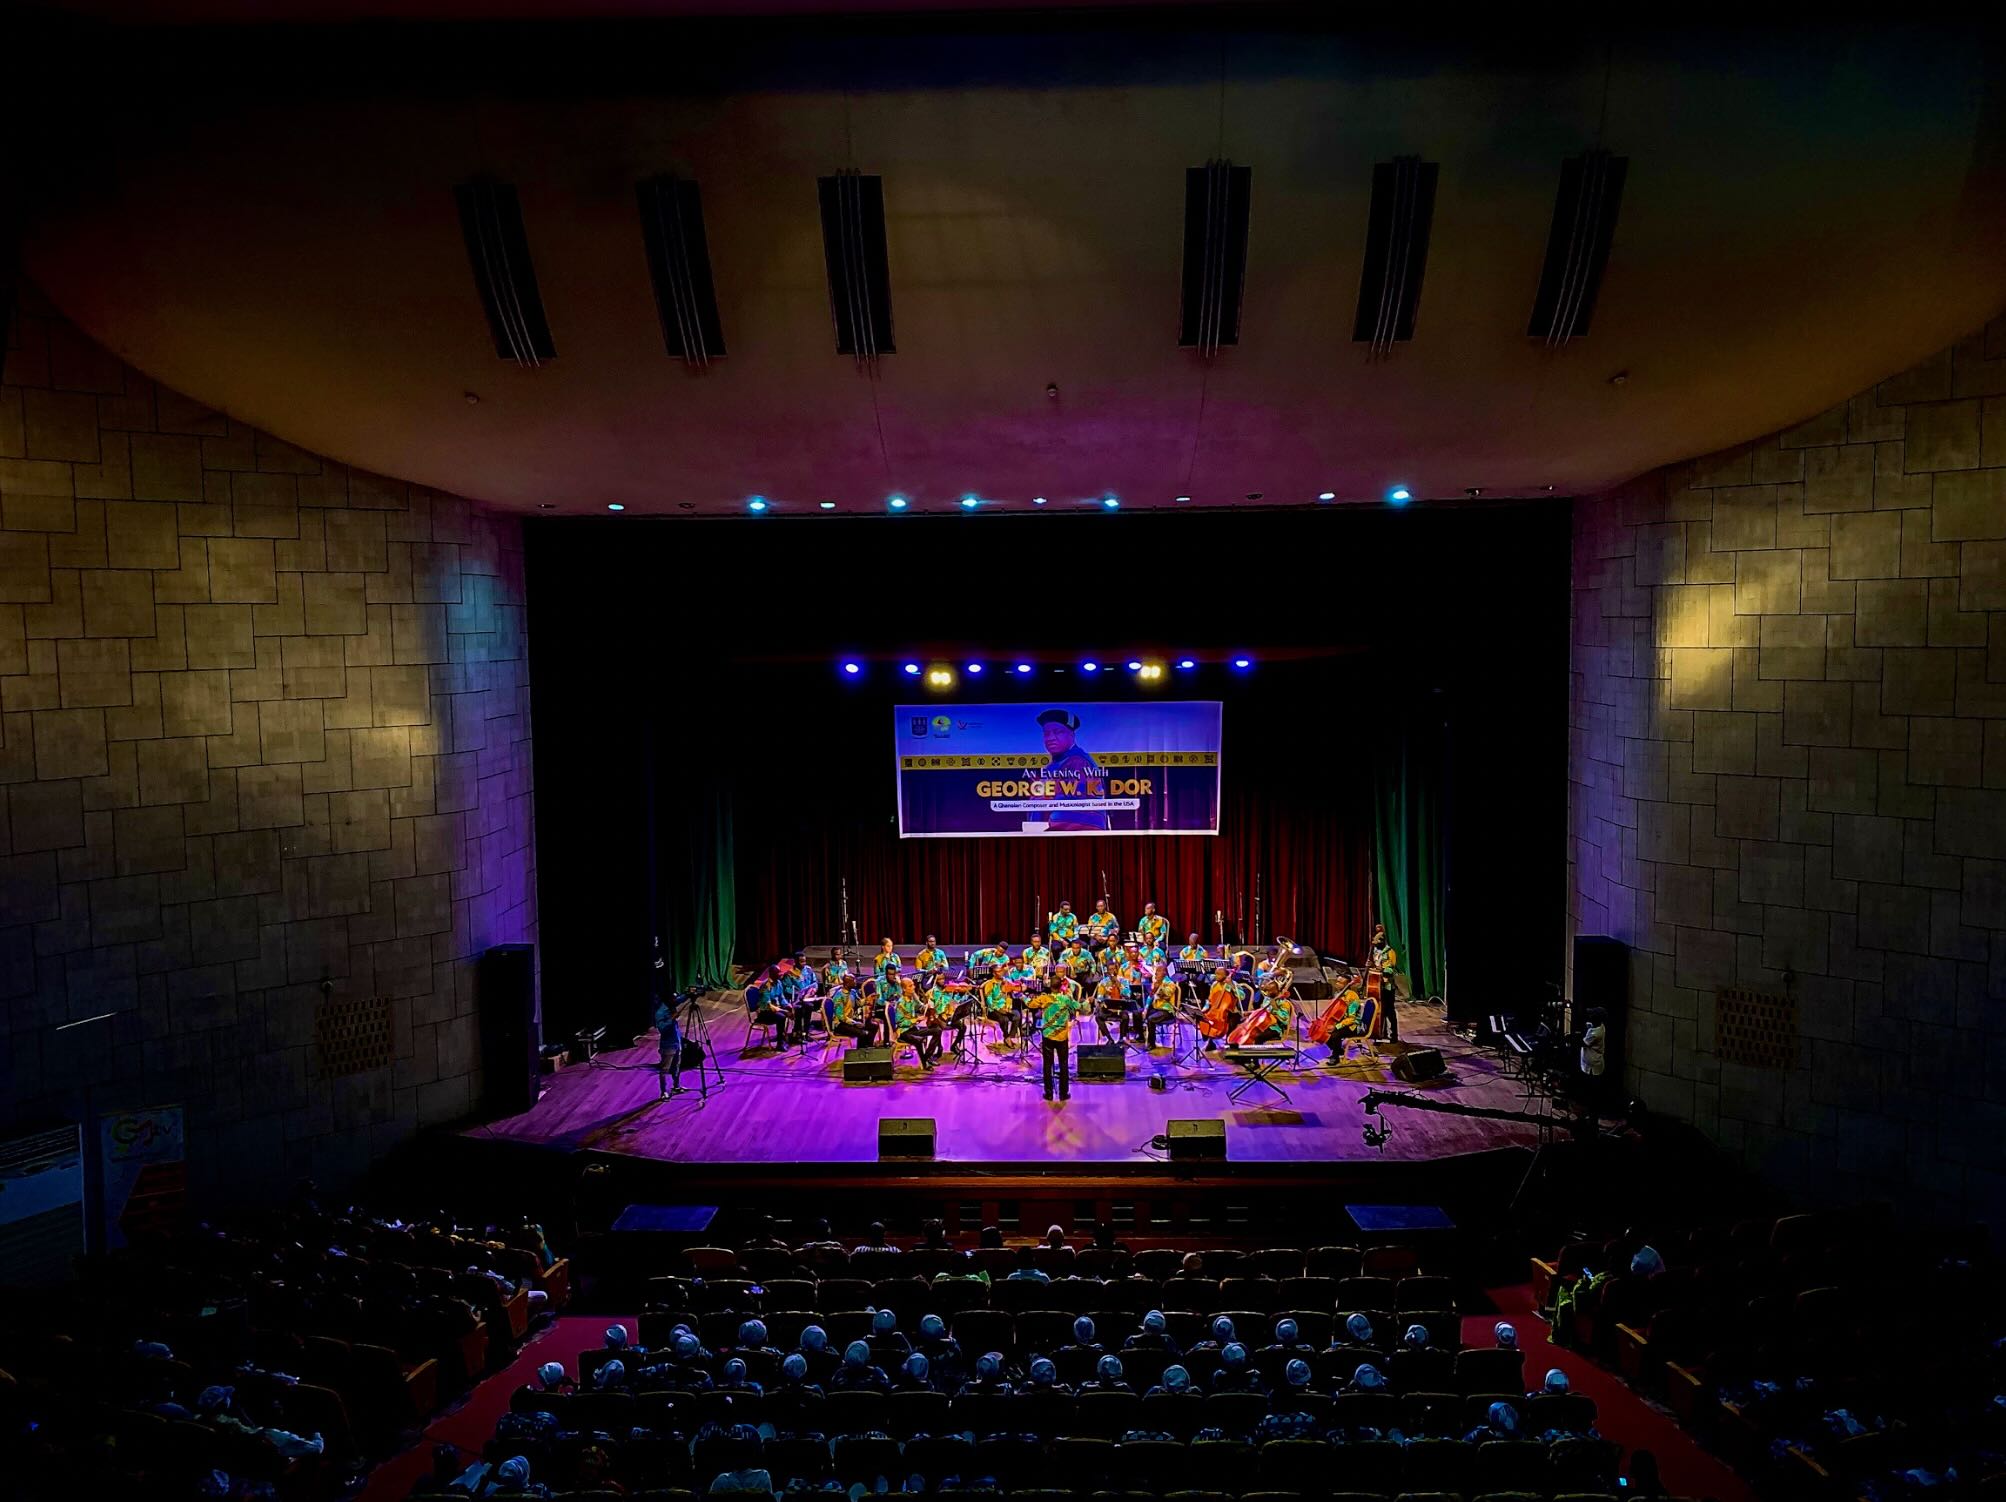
<point x="264" y="218"/>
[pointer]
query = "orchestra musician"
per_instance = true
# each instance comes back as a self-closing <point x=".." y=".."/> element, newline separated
<point x="1154" y="929"/>
<point x="851" y="1015"/>
<point x="1164" y="1002"/>
<point x="1063" y="925"/>
<point x="1111" y="1004"/>
<point x="1380" y="949"/>
<point x="838" y="968"/>
<point x="1036" y="955"/>
<point x="989" y="956"/>
<point x="1193" y="952"/>
<point x="912" y="1022"/>
<point x="932" y="959"/>
<point x="1151" y="956"/>
<point x="999" y="1002"/>
<point x="1227" y="997"/>
<point x="887" y="958"/>
<point x="1102" y="924"/>
<point x="1075" y="961"/>
<point x="949" y="1006"/>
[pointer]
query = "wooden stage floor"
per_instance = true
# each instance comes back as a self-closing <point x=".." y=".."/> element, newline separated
<point x="792" y="1108"/>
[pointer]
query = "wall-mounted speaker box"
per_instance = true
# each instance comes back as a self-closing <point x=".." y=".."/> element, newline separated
<point x="1102" y="1061"/>
<point x="511" y="1053"/>
<point x="867" y="1064"/>
<point x="1420" y="1064"/>
<point x="905" y="1137"/>
<point x="1204" y="1137"/>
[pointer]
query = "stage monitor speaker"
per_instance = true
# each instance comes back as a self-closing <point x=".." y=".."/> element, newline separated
<point x="1420" y="1064"/>
<point x="867" y="1064"/>
<point x="905" y="1137"/>
<point x="1602" y="979"/>
<point x="1202" y="1137"/>
<point x="511" y="1049"/>
<point x="1102" y="1061"/>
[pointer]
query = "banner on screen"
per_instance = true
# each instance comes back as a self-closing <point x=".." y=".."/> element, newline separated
<point x="1043" y="768"/>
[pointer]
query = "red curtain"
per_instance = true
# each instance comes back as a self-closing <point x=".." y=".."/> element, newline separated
<point x="1295" y="829"/>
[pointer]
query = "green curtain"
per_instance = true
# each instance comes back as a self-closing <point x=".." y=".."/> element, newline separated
<point x="692" y="858"/>
<point x="1407" y="848"/>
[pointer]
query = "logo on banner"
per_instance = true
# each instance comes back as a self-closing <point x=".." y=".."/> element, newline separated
<point x="917" y="725"/>
<point x="941" y="725"/>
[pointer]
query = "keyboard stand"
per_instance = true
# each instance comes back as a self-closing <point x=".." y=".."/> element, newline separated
<point x="1258" y="1067"/>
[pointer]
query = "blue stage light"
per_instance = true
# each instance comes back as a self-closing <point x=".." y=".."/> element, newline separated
<point x="615" y="506"/>
<point x="1090" y="666"/>
<point x="1135" y="667"/>
<point x="1243" y="662"/>
<point x="1023" y="667"/>
<point x="897" y="503"/>
<point x="1186" y="662"/>
<point x="827" y="505"/>
<point x="971" y="501"/>
<point x="1327" y="495"/>
<point x="757" y="503"/>
<point x="1182" y="499"/>
<point x="1037" y="500"/>
<point x="1399" y="495"/>
<point x="912" y="669"/>
<point x="1113" y="503"/>
<point x="853" y="668"/>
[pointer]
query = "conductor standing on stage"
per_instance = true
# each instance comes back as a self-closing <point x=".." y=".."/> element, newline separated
<point x="1065" y="756"/>
<point x="1055" y="1025"/>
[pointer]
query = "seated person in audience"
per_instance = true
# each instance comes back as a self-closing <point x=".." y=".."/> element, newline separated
<point x="689" y="1364"/>
<point x="1027" y="1269"/>
<point x="761" y="1237"/>
<point x="888" y="1345"/>
<point x="550" y="1377"/>
<point x="1085" y="1352"/>
<point x="1105" y="1240"/>
<point x="752" y="1337"/>
<point x="510" y="1479"/>
<point x="858" y="1373"/>
<point x="1286" y="1346"/>
<point x="216" y="1408"/>
<point x="915" y="1374"/>
<point x="1356" y="1335"/>
<point x="1044" y="1378"/>
<point x="933" y="1235"/>
<point x="794" y="1391"/>
<point x="990" y="1379"/>
<point x="751" y="1479"/>
<point x="1055" y="1238"/>
<point x="941" y="1350"/>
<point x="734" y="1378"/>
<point x="1367" y="1378"/>
<point x="611" y="1376"/>
<point x="1505" y="1335"/>
<point x="615" y="1339"/>
<point x="1500" y="1422"/>
<point x="1107" y="1377"/>
<point x="1176" y="1383"/>
<point x="814" y="1349"/>
<point x="1555" y="1382"/>
<point x="1153" y="1336"/>
<point x="819" y="1239"/>
<point x="1205" y="1354"/>
<point x="875" y="1239"/>
<point x="1288" y="1418"/>
<point x="1235" y="1373"/>
<point x="447" y="1468"/>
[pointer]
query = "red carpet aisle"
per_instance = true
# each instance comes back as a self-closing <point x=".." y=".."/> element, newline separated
<point x="472" y="1423"/>
<point x="1686" y="1469"/>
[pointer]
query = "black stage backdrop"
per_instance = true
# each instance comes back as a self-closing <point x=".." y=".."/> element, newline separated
<point x="705" y="774"/>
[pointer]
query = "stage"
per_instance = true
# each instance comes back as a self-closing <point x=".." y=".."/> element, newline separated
<point x="789" y="1107"/>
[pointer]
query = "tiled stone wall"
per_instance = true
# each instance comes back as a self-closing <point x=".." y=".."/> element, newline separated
<point x="1788" y="769"/>
<point x="264" y="723"/>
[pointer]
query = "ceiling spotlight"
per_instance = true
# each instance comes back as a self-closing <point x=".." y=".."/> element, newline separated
<point x="1037" y="500"/>
<point x="1399" y="495"/>
<point x="1243" y="663"/>
<point x="1135" y="667"/>
<point x="1113" y="503"/>
<point x="1182" y="499"/>
<point x="1327" y="495"/>
<point x="1253" y="495"/>
<point x="546" y="505"/>
<point x="1186" y="662"/>
<point x="1090" y="666"/>
<point x="1023" y="667"/>
<point x="1151" y="672"/>
<point x="975" y="667"/>
<point x="897" y="503"/>
<point x="757" y="503"/>
<point x="473" y="398"/>
<point x="853" y="668"/>
<point x="1473" y="490"/>
<point x="940" y="676"/>
<point x="827" y="505"/>
<point x="615" y="506"/>
<point x="971" y="501"/>
<point x="912" y="670"/>
<point x="686" y="505"/>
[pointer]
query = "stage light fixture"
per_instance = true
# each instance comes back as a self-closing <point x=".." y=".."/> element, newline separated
<point x="1399" y="495"/>
<point x="1113" y="503"/>
<point x="970" y="502"/>
<point x="615" y="506"/>
<point x="1090" y="666"/>
<point x="1326" y="495"/>
<point x="1135" y="667"/>
<point x="827" y="505"/>
<point x="851" y="669"/>
<point x="897" y="502"/>
<point x="912" y="669"/>
<point x="1023" y="667"/>
<point x="757" y="503"/>
<point x="940" y="677"/>
<point x="975" y="668"/>
<point x="1150" y="672"/>
<point x="1038" y="500"/>
<point x="1186" y="663"/>
<point x="1182" y="499"/>
<point x="1243" y="663"/>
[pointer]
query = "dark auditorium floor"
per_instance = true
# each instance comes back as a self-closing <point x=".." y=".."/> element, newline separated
<point x="1686" y="1468"/>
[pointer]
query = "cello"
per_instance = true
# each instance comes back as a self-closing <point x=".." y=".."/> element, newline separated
<point x="1258" y="1022"/>
<point x="1217" y="1019"/>
<point x="1333" y="1016"/>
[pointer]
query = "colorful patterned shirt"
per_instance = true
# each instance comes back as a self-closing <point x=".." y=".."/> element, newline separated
<point x="1055" y="1017"/>
<point x="1193" y="953"/>
<point x="1103" y="925"/>
<point x="1154" y="928"/>
<point x="931" y="958"/>
<point x="996" y="995"/>
<point x="1062" y="926"/>
<point x="1168" y="993"/>
<point x="1038" y="957"/>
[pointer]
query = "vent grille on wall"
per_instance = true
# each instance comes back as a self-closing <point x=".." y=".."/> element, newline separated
<point x="1396" y="252"/>
<point x="498" y="250"/>
<point x="679" y="265"/>
<point x="1577" y="247"/>
<point x="1756" y="1028"/>
<point x="853" y="245"/>
<point x="352" y="1034"/>
<point x="1217" y="200"/>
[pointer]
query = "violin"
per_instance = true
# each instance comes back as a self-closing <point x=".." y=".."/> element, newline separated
<point x="1219" y="1008"/>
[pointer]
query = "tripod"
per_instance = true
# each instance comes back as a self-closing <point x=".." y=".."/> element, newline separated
<point x="693" y="1031"/>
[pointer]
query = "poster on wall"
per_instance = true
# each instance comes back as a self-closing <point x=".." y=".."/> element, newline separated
<point x="41" y="1206"/>
<point x="1041" y="769"/>
<point x="145" y="1173"/>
